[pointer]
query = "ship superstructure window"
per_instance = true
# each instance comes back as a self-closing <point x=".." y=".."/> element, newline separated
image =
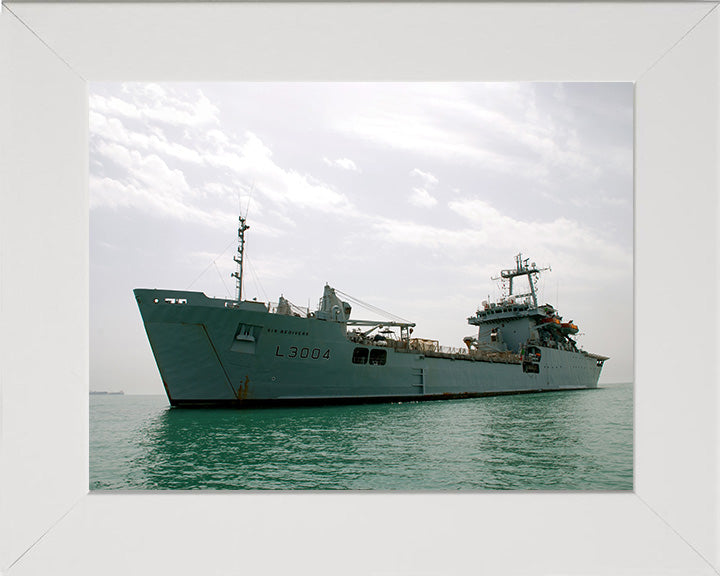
<point x="534" y="354"/>
<point x="174" y="300"/>
<point x="378" y="357"/>
<point x="360" y="356"/>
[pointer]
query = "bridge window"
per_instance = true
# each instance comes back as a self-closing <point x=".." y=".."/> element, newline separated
<point x="360" y="356"/>
<point x="378" y="357"/>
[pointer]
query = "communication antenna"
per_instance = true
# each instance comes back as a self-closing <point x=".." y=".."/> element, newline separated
<point x="247" y="208"/>
<point x="239" y="257"/>
<point x="522" y="268"/>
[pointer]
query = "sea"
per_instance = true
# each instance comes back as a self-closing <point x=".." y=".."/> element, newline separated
<point x="574" y="440"/>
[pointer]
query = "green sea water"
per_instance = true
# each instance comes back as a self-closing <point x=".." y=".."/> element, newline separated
<point x="575" y="440"/>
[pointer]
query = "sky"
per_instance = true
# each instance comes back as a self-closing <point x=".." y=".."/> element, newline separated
<point x="408" y="196"/>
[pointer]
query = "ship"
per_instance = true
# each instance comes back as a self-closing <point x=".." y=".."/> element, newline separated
<point x="246" y="353"/>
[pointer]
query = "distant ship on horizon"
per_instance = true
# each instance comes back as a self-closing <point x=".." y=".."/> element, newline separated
<point x="103" y="392"/>
<point x="241" y="353"/>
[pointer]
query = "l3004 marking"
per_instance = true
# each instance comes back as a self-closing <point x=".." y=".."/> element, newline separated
<point x="304" y="353"/>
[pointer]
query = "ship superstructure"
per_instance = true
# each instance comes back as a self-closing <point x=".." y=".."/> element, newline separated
<point x="516" y="323"/>
<point x="212" y="351"/>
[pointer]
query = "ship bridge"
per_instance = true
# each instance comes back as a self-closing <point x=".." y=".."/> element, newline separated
<point x="511" y="322"/>
<point x="499" y="313"/>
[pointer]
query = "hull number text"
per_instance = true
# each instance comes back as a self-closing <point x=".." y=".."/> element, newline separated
<point x="311" y="353"/>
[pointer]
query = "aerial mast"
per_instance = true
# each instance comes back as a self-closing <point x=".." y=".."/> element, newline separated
<point x="239" y="257"/>
<point x="522" y="268"/>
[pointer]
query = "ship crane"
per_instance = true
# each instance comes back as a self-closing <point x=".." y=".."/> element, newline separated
<point x="522" y="268"/>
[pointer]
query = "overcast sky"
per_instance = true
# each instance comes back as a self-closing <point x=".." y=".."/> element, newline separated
<point x="406" y="196"/>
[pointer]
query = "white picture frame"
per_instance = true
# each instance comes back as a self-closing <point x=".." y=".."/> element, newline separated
<point x="50" y="523"/>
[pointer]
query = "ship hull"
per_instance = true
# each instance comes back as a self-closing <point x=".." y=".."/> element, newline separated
<point x="214" y="352"/>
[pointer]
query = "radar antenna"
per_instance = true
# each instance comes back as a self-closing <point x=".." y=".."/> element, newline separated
<point x="239" y="257"/>
<point x="522" y="268"/>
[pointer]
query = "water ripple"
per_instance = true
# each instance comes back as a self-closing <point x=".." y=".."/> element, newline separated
<point x="578" y="440"/>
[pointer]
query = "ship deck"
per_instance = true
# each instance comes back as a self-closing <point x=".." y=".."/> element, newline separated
<point x="446" y="352"/>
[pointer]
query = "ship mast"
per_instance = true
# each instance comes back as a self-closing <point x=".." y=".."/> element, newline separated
<point x="239" y="257"/>
<point x="522" y="268"/>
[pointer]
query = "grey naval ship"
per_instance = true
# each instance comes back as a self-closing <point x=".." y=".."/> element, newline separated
<point x="222" y="352"/>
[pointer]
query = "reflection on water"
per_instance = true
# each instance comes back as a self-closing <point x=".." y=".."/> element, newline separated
<point x="565" y="440"/>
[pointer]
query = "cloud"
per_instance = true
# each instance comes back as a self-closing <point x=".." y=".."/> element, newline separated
<point x="114" y="194"/>
<point x="614" y="201"/>
<point x="426" y="177"/>
<point x="421" y="197"/>
<point x="283" y="187"/>
<point x="419" y="133"/>
<point x="344" y="163"/>
<point x="154" y="103"/>
<point x="414" y="234"/>
<point x="506" y="130"/>
<point x="135" y="161"/>
<point x="432" y="120"/>
<point x="148" y="171"/>
<point x="580" y="250"/>
<point x="162" y="150"/>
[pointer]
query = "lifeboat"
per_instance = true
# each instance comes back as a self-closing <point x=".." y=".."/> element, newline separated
<point x="552" y="323"/>
<point x="568" y="328"/>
